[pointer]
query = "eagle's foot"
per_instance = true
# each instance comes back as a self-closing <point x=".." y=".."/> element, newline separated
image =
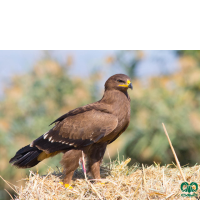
<point x="66" y="185"/>
<point x="101" y="182"/>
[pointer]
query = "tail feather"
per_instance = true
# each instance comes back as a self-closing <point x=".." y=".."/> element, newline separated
<point x="25" y="149"/>
<point x="39" y="150"/>
<point x="26" y="157"/>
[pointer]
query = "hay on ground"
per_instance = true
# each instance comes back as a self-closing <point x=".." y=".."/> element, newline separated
<point x="122" y="182"/>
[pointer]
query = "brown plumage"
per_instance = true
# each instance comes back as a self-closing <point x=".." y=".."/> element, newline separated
<point x="88" y="129"/>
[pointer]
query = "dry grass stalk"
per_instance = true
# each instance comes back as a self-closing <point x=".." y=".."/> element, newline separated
<point x="84" y="170"/>
<point x="9" y="194"/>
<point x="144" y="176"/>
<point x="175" y="156"/>
<point x="8" y="184"/>
<point x="134" y="195"/>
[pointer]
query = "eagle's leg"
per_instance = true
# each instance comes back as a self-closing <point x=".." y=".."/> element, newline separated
<point x="68" y="177"/>
<point x="96" y="153"/>
<point x="70" y="162"/>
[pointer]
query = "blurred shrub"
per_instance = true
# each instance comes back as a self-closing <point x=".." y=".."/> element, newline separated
<point x="31" y="103"/>
<point x="173" y="100"/>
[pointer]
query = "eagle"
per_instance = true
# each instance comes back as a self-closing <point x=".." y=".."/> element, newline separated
<point x="85" y="131"/>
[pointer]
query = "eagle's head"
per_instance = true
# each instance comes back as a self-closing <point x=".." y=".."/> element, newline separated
<point x="118" y="82"/>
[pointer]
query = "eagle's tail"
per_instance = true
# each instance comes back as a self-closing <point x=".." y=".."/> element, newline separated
<point x="26" y="157"/>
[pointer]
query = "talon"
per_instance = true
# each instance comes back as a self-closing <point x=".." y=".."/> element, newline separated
<point x="102" y="182"/>
<point x="68" y="186"/>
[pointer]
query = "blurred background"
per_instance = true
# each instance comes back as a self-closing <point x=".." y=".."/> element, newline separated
<point x="36" y="87"/>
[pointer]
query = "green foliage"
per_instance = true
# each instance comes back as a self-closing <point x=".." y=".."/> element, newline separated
<point x="193" y="53"/>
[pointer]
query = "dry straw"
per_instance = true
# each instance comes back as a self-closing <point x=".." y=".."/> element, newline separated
<point x="122" y="182"/>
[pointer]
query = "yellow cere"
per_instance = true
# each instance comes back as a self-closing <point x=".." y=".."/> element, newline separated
<point x="126" y="85"/>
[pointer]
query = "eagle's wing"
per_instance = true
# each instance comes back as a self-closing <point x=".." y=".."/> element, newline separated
<point x="77" y="131"/>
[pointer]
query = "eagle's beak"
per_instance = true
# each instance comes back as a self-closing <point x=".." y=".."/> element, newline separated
<point x="127" y="85"/>
<point x="130" y="86"/>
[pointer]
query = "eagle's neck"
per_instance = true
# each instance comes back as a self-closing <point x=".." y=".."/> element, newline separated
<point x="118" y="103"/>
<point x="115" y="97"/>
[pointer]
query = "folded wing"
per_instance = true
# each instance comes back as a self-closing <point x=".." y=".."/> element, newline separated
<point x="77" y="131"/>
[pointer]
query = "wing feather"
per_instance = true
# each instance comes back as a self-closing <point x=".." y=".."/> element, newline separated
<point x="91" y="125"/>
<point x="79" y="130"/>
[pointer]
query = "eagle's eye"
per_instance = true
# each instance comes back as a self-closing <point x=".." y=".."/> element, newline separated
<point x="120" y="81"/>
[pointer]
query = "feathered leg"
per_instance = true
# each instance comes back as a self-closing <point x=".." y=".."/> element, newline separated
<point x="70" y="162"/>
<point x="95" y="156"/>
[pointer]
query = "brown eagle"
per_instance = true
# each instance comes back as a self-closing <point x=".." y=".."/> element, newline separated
<point x="88" y="130"/>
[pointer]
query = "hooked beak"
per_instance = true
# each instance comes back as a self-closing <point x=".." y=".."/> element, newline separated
<point x="127" y="85"/>
<point x="130" y="86"/>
